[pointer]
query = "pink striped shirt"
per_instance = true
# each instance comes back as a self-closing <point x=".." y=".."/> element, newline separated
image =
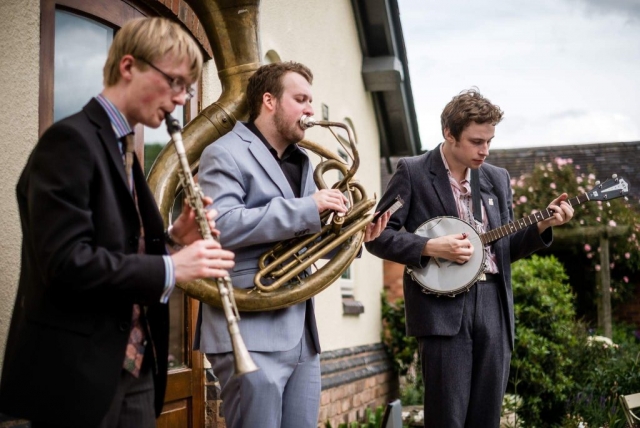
<point x="464" y="204"/>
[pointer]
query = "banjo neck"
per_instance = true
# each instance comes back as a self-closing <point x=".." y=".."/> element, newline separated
<point x="447" y="278"/>
<point x="515" y="226"/>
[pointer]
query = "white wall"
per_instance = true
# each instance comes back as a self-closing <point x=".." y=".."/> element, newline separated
<point x="19" y="68"/>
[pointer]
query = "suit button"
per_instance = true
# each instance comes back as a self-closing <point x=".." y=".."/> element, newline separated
<point x="124" y="326"/>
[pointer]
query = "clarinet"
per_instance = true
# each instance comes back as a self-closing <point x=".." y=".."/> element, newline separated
<point x="242" y="360"/>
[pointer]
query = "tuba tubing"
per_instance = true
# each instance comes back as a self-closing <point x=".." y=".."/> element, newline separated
<point x="290" y="259"/>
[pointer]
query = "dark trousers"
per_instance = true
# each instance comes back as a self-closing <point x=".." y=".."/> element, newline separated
<point x="132" y="405"/>
<point x="465" y="376"/>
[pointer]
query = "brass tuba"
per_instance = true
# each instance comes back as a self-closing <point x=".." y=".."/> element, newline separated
<point x="231" y="27"/>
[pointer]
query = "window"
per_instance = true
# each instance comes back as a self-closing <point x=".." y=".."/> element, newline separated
<point x="81" y="46"/>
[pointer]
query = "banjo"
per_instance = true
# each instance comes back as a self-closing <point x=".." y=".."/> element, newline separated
<point x="448" y="278"/>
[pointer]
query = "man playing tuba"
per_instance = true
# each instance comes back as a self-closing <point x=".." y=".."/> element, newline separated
<point x="262" y="185"/>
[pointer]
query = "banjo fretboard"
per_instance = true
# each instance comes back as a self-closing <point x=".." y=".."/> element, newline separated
<point x="515" y="226"/>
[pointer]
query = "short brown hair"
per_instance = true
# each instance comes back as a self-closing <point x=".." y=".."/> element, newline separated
<point x="268" y="79"/>
<point x="150" y="39"/>
<point x="466" y="107"/>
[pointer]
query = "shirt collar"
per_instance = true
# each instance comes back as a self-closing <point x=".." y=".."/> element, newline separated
<point x="118" y="122"/>
<point x="287" y="152"/>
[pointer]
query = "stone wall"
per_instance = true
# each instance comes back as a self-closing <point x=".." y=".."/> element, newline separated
<point x="353" y="380"/>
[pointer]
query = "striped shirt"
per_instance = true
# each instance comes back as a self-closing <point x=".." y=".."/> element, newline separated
<point x="464" y="205"/>
<point x="121" y="129"/>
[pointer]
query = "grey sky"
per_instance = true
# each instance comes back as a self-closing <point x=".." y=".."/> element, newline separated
<point x="564" y="71"/>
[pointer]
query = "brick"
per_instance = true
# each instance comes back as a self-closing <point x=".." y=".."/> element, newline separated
<point x="370" y="382"/>
<point x="324" y="414"/>
<point x="346" y="405"/>
<point x="337" y="393"/>
<point x="351" y="389"/>
<point x="357" y="400"/>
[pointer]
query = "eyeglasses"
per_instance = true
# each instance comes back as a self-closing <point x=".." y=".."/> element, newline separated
<point x="176" y="83"/>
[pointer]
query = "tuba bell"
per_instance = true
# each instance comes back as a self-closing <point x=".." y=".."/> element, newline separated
<point x="231" y="27"/>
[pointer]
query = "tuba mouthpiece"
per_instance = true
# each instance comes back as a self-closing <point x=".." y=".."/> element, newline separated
<point x="307" y="122"/>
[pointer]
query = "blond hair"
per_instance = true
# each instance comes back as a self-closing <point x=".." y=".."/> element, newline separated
<point x="150" y="39"/>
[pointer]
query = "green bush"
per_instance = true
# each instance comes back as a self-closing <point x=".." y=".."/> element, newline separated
<point x="371" y="420"/>
<point x="403" y="352"/>
<point x="545" y="330"/>
<point x="602" y="371"/>
<point x="402" y="349"/>
<point x="562" y="375"/>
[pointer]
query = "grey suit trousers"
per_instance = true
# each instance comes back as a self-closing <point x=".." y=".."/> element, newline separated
<point x="284" y="393"/>
<point x="465" y="375"/>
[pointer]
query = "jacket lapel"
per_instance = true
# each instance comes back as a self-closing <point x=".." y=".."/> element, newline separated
<point x="308" y="184"/>
<point x="265" y="159"/>
<point x="489" y="200"/>
<point x="107" y="137"/>
<point x="441" y="184"/>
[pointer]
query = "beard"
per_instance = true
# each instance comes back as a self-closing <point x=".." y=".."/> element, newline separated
<point x="290" y="132"/>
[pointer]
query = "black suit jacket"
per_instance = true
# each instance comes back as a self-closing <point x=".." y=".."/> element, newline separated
<point x="423" y="183"/>
<point x="80" y="276"/>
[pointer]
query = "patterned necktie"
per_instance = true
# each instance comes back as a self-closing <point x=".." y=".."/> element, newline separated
<point x="129" y="149"/>
<point x="136" y="344"/>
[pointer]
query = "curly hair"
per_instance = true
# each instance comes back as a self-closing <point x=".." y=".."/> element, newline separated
<point x="268" y="79"/>
<point x="466" y="107"/>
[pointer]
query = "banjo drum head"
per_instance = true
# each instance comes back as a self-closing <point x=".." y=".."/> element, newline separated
<point x="450" y="278"/>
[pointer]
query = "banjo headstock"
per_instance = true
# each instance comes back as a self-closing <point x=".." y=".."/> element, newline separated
<point x="615" y="187"/>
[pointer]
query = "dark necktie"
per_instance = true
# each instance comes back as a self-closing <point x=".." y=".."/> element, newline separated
<point x="136" y="344"/>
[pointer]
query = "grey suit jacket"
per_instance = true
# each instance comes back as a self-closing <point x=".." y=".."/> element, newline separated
<point x="423" y="184"/>
<point x="256" y="208"/>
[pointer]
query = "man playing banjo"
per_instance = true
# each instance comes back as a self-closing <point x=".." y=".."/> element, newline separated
<point x="465" y="339"/>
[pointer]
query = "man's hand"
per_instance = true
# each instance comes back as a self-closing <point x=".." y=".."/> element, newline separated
<point x="374" y="230"/>
<point x="330" y="199"/>
<point x="562" y="213"/>
<point x="185" y="229"/>
<point x="456" y="248"/>
<point x="202" y="259"/>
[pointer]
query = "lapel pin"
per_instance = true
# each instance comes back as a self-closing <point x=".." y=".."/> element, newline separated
<point x="491" y="201"/>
